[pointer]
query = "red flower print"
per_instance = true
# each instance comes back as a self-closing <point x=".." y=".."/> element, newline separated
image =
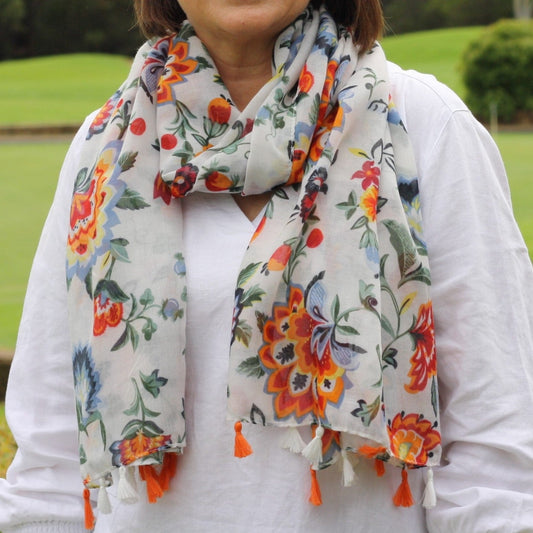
<point x="168" y="141"/>
<point x="369" y="174"/>
<point x="138" y="126"/>
<point x="316" y="184"/>
<point x="424" y="360"/>
<point x="219" y="110"/>
<point x="184" y="180"/>
<point x="106" y="314"/>
<point x="369" y="202"/>
<point x="280" y="258"/>
<point x="306" y="80"/>
<point x="315" y="238"/>
<point x="216" y="181"/>
<point x="412" y="438"/>
<point x="129" y="450"/>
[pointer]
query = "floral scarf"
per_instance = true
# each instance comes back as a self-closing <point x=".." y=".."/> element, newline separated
<point x="332" y="324"/>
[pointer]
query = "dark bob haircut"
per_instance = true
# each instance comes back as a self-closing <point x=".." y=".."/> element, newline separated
<point x="158" y="18"/>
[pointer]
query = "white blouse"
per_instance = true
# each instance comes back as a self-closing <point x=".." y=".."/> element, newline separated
<point x="482" y="293"/>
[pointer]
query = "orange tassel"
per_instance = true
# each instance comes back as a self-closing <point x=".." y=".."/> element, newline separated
<point x="242" y="447"/>
<point x="315" y="497"/>
<point x="403" y="496"/>
<point x="370" y="452"/>
<point x="153" y="488"/>
<point x="170" y="462"/>
<point x="379" y="465"/>
<point x="89" y="515"/>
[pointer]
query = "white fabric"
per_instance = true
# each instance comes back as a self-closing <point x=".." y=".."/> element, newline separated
<point x="482" y="289"/>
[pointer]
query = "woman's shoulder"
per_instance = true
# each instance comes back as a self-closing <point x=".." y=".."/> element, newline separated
<point x="422" y="100"/>
<point x="423" y="89"/>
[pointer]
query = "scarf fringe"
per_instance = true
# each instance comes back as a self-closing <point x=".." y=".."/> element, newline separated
<point x="127" y="485"/>
<point x="293" y="441"/>
<point x="313" y="451"/>
<point x="89" y="514"/>
<point x="430" y="497"/>
<point x="349" y="477"/>
<point x="316" y="496"/>
<point x="403" y="496"/>
<point x="104" y="505"/>
<point x="242" y="446"/>
<point x="379" y="465"/>
<point x="153" y="488"/>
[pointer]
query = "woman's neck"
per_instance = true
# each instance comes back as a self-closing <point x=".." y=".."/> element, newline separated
<point x="244" y="67"/>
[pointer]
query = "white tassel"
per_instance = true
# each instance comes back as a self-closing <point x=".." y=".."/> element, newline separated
<point x="127" y="486"/>
<point x="104" y="505"/>
<point x="349" y="477"/>
<point x="430" y="497"/>
<point x="293" y="441"/>
<point x="313" y="451"/>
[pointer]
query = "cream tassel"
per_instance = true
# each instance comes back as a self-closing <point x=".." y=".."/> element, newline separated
<point x="430" y="497"/>
<point x="104" y="505"/>
<point x="127" y="486"/>
<point x="313" y="451"/>
<point x="349" y="477"/>
<point x="293" y="441"/>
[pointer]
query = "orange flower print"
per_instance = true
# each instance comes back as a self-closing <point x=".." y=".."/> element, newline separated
<point x="129" y="450"/>
<point x="178" y="66"/>
<point x="424" y="360"/>
<point x="219" y="110"/>
<point x="91" y="212"/>
<point x="162" y="189"/>
<point x="369" y="202"/>
<point x="280" y="258"/>
<point x="301" y="380"/>
<point x="369" y="174"/>
<point x="412" y="438"/>
<point x="326" y="91"/>
<point x="298" y="166"/>
<point x="217" y="181"/>
<point x="102" y="118"/>
<point x="106" y="314"/>
<point x="259" y="228"/>
<point x="306" y="80"/>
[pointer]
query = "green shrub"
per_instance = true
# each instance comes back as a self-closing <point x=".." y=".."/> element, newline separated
<point x="497" y="70"/>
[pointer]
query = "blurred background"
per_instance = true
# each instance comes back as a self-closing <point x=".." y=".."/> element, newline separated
<point x="61" y="59"/>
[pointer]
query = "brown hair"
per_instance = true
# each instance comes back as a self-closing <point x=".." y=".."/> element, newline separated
<point x="157" y="18"/>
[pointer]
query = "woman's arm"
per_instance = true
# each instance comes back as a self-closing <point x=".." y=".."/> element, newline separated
<point x="43" y="489"/>
<point x="482" y="293"/>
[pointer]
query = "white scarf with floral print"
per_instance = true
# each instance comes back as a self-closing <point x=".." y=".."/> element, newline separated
<point x="333" y="322"/>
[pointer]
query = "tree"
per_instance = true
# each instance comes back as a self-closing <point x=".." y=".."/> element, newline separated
<point x="522" y="9"/>
<point x="497" y="71"/>
<point x="10" y="24"/>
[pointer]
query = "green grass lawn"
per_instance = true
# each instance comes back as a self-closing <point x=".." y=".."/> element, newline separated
<point x="436" y="52"/>
<point x="28" y="174"/>
<point x="58" y="89"/>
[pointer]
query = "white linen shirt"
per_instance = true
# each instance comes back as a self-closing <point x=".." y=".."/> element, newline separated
<point x="482" y="293"/>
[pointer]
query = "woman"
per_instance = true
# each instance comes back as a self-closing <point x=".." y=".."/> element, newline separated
<point x="307" y="268"/>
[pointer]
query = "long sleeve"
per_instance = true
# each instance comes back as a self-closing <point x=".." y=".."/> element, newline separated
<point x="482" y="292"/>
<point x="43" y="490"/>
